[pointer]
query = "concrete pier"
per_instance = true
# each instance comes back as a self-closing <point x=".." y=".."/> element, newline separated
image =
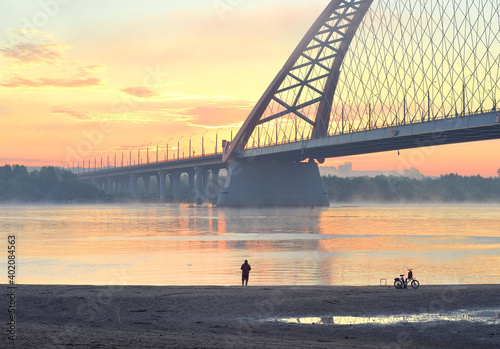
<point x="162" y="175"/>
<point x="176" y="177"/>
<point x="133" y="185"/>
<point x="273" y="184"/>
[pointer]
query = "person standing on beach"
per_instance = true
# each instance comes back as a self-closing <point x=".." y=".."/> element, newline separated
<point x="245" y="273"/>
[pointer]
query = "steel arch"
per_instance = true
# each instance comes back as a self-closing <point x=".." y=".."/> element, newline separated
<point x="321" y="51"/>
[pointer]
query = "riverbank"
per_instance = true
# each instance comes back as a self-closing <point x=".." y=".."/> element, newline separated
<point x="246" y="317"/>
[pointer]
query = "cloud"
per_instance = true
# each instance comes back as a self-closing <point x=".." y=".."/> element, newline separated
<point x="28" y="53"/>
<point x="220" y="115"/>
<point x="35" y="60"/>
<point x="147" y="92"/>
<point x="27" y="47"/>
<point x="19" y="82"/>
<point x="81" y="115"/>
<point x="140" y="92"/>
<point x="90" y="69"/>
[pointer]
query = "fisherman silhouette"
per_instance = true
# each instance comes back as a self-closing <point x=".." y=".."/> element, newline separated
<point x="245" y="267"/>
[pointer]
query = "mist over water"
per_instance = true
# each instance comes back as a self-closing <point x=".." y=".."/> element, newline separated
<point x="188" y="245"/>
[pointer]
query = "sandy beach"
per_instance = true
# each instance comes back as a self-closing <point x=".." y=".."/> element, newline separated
<point x="246" y="317"/>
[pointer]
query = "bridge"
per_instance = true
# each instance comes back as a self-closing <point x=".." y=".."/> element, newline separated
<point x="369" y="76"/>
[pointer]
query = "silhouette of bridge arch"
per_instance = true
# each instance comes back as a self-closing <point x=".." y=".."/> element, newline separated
<point x="368" y="64"/>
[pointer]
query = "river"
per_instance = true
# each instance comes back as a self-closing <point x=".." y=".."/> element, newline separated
<point x="156" y="244"/>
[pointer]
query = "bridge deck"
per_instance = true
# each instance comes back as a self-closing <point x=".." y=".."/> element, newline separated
<point x="470" y="128"/>
<point x="430" y="133"/>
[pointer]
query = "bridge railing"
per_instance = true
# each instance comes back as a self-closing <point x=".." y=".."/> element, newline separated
<point x="95" y="169"/>
<point x="363" y="127"/>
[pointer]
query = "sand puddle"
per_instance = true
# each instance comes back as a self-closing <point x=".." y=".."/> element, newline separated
<point x="478" y="316"/>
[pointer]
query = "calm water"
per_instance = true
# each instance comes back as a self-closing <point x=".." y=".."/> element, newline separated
<point x="186" y="245"/>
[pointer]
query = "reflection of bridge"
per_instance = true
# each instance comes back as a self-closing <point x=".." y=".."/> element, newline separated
<point x="369" y="76"/>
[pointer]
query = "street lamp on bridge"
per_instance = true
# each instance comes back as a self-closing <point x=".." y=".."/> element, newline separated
<point x="157" y="150"/>
<point x="203" y="143"/>
<point x="190" y="144"/>
<point x="147" y="153"/>
<point x="178" y="148"/>
<point x="167" y="150"/>
<point x="216" y="139"/>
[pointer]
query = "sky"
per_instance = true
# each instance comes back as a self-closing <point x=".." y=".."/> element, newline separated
<point x="86" y="79"/>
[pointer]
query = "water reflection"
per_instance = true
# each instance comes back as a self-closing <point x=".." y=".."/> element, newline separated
<point x="189" y="245"/>
<point x="481" y="316"/>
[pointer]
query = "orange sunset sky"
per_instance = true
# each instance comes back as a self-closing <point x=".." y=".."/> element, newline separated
<point x="122" y="75"/>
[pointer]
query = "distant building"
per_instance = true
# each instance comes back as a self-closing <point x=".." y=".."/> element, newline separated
<point x="346" y="167"/>
<point x="346" y="170"/>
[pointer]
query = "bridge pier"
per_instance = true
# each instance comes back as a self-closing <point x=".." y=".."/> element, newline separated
<point x="118" y="186"/>
<point x="125" y="185"/>
<point x="191" y="187"/>
<point x="145" y="180"/>
<point x="109" y="185"/>
<point x="176" y="185"/>
<point x="213" y="188"/>
<point x="199" y="185"/>
<point x="170" y="186"/>
<point x="133" y="185"/>
<point x="273" y="184"/>
<point x="162" y="193"/>
<point x="206" y="176"/>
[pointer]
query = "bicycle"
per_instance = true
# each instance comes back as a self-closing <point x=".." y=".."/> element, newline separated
<point x="400" y="282"/>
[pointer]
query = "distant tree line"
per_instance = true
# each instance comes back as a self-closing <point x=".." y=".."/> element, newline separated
<point x="47" y="184"/>
<point x="448" y="188"/>
<point x="56" y="185"/>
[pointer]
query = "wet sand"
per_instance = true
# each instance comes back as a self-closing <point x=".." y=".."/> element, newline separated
<point x="244" y="317"/>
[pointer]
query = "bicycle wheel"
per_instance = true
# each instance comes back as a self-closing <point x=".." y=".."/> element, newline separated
<point x="398" y="284"/>
<point x="415" y="284"/>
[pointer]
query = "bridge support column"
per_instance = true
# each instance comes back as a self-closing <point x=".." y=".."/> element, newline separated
<point x="133" y="185"/>
<point x="176" y="186"/>
<point x="123" y="186"/>
<point x="109" y="186"/>
<point x="213" y="187"/>
<point x="162" y="192"/>
<point x="191" y="189"/>
<point x="171" y="186"/>
<point x="145" y="180"/>
<point x="206" y="177"/>
<point x="118" y="183"/>
<point x="273" y="184"/>
<point x="199" y="184"/>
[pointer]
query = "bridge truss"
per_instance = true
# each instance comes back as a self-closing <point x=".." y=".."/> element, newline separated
<point x="372" y="64"/>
